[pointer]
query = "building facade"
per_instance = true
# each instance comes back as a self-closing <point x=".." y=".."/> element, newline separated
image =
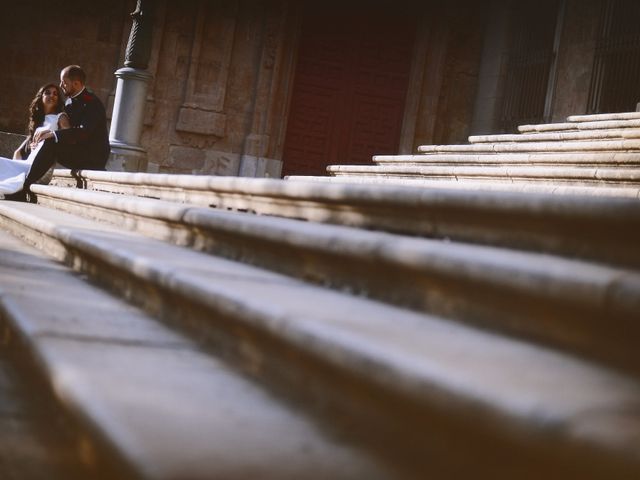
<point x="276" y="87"/>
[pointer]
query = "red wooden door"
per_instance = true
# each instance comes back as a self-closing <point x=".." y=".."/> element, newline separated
<point x="350" y="85"/>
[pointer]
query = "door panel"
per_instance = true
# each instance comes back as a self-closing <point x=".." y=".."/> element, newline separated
<point x="350" y="86"/>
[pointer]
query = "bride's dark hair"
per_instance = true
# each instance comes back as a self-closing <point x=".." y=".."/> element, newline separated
<point x="36" y="109"/>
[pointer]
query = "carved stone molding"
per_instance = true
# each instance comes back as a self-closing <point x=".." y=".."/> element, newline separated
<point x="206" y="85"/>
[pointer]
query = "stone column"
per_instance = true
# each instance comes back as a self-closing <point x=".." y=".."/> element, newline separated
<point x="131" y="93"/>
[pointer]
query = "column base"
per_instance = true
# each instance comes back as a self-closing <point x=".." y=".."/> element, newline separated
<point x="127" y="158"/>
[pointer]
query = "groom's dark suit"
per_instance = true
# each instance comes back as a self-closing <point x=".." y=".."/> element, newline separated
<point x="84" y="146"/>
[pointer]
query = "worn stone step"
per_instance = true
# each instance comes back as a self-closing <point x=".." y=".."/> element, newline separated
<point x="471" y="185"/>
<point x="587" y="125"/>
<point x="582" y="135"/>
<point x="604" y="116"/>
<point x="151" y="403"/>
<point x="427" y="274"/>
<point x="575" y="175"/>
<point x="605" y="230"/>
<point x="619" y="145"/>
<point x="425" y="382"/>
<point x="593" y="159"/>
<point x="393" y="207"/>
<point x="37" y="441"/>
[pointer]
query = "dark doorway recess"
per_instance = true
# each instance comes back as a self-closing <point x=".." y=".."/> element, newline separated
<point x="350" y="84"/>
<point x="530" y="62"/>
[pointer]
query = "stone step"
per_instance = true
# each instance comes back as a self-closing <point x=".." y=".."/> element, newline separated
<point x="471" y="185"/>
<point x="598" y="117"/>
<point x="588" y="125"/>
<point x="581" y="135"/>
<point x="573" y="175"/>
<point x="151" y="404"/>
<point x="390" y="207"/>
<point x="37" y="442"/>
<point x="425" y="382"/>
<point x="592" y="159"/>
<point x="621" y="145"/>
<point x="601" y="229"/>
<point x="427" y="274"/>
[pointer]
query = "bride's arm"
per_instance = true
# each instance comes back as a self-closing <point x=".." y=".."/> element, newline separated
<point x="63" y="121"/>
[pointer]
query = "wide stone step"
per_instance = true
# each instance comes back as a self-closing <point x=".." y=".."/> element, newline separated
<point x="428" y="275"/>
<point x="425" y="382"/>
<point x="575" y="175"/>
<point x="586" y="125"/>
<point x="605" y="230"/>
<point x="597" y="117"/>
<point x="392" y="207"/>
<point x="593" y="159"/>
<point x="621" y="145"/>
<point x="589" y="135"/>
<point x="150" y="402"/>
<point x="470" y="185"/>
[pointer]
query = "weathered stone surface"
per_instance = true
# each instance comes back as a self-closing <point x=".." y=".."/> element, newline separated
<point x="195" y="419"/>
<point x="560" y="159"/>
<point x="562" y="410"/>
<point x="476" y="185"/>
<point x="546" y="147"/>
<point x="195" y="120"/>
<point x="559" y="136"/>
<point x="586" y="125"/>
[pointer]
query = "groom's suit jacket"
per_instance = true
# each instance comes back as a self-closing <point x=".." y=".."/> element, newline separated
<point x="88" y="137"/>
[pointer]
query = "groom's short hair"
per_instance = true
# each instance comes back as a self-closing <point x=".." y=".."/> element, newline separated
<point x="75" y="72"/>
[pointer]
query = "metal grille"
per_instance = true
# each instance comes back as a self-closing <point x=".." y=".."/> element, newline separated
<point x="615" y="81"/>
<point x="530" y="62"/>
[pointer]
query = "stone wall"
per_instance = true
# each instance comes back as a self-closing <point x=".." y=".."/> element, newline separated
<point x="38" y="38"/>
<point x="218" y="100"/>
<point x="216" y="103"/>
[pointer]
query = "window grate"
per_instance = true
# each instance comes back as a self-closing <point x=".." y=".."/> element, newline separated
<point x="615" y="80"/>
<point x="530" y="63"/>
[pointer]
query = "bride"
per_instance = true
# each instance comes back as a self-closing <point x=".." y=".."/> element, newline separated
<point x="45" y="113"/>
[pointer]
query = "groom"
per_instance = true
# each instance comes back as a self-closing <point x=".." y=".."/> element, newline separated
<point x="84" y="146"/>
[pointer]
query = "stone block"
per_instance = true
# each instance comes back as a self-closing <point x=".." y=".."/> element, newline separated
<point x="185" y="158"/>
<point x="195" y="120"/>
<point x="221" y="163"/>
<point x="9" y="142"/>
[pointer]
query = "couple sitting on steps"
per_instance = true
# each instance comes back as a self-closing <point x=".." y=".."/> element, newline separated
<point x="73" y="133"/>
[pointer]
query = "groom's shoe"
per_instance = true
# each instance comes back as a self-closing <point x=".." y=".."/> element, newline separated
<point x="20" y="196"/>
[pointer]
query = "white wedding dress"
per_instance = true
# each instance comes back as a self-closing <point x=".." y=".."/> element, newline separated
<point x="14" y="172"/>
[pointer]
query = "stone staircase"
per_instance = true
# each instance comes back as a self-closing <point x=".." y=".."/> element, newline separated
<point x="587" y="151"/>
<point x="193" y="327"/>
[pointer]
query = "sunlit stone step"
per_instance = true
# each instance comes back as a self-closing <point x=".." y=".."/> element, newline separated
<point x="586" y="125"/>
<point x="622" y="145"/>
<point x="575" y="175"/>
<point x="582" y="135"/>
<point x="354" y="260"/>
<point x="556" y="159"/>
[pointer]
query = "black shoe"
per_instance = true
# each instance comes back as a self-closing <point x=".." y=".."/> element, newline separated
<point x="20" y="196"/>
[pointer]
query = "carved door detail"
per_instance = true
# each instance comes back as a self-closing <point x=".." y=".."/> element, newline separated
<point x="350" y="87"/>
